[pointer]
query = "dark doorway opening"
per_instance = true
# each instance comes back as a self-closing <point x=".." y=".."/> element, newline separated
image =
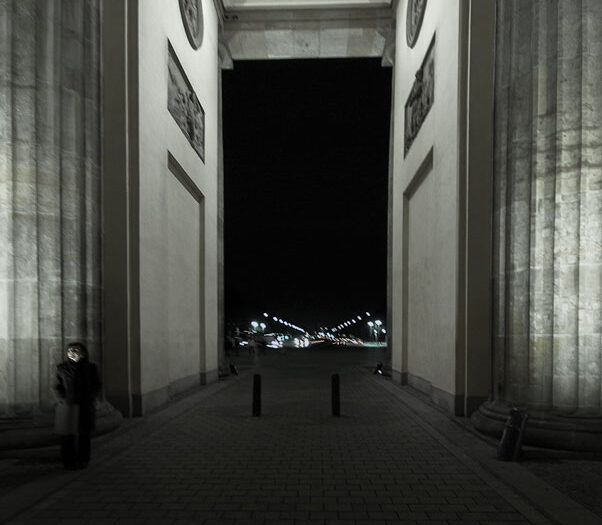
<point x="306" y="153"/>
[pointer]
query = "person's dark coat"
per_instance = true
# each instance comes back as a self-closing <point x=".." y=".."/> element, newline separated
<point x="77" y="385"/>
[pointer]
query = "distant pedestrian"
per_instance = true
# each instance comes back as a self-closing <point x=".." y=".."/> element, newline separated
<point x="77" y="386"/>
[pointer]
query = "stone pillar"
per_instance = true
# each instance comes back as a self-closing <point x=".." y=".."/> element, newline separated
<point x="50" y="220"/>
<point x="225" y="62"/>
<point x="548" y="221"/>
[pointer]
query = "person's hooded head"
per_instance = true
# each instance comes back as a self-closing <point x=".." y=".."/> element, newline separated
<point x="77" y="352"/>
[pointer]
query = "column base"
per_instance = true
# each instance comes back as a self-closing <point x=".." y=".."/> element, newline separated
<point x="38" y="430"/>
<point x="578" y="432"/>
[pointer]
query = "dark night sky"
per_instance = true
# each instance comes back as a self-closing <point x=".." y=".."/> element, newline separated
<point x="306" y="160"/>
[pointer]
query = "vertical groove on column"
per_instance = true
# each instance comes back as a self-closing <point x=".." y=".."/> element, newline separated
<point x="91" y="97"/>
<point x="6" y="220"/>
<point x="24" y="208"/>
<point x="71" y="180"/>
<point x="519" y="164"/>
<point x="48" y="167"/>
<point x="542" y="207"/>
<point x="590" y="249"/>
<point x="566" y="242"/>
<point x="499" y="224"/>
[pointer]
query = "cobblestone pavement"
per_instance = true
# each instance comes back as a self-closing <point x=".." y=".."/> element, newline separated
<point x="389" y="459"/>
<point x="580" y="479"/>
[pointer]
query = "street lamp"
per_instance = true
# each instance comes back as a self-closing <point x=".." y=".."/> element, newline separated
<point x="371" y="330"/>
<point x="378" y="322"/>
<point x="254" y="324"/>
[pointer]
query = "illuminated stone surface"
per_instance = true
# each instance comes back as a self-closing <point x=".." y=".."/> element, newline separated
<point x="548" y="203"/>
<point x="50" y="193"/>
<point x="548" y="223"/>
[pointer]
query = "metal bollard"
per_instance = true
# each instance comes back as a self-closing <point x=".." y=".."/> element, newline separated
<point x="257" y="395"/>
<point x="336" y="395"/>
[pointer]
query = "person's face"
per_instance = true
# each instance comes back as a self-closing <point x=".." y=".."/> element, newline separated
<point x="73" y="354"/>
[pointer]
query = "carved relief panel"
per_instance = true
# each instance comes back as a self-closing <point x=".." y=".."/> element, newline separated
<point x="420" y="99"/>
<point x="184" y="105"/>
<point x="414" y="16"/>
<point x="192" y="18"/>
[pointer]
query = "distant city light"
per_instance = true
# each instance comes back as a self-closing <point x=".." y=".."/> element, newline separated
<point x="368" y="314"/>
<point x="265" y="314"/>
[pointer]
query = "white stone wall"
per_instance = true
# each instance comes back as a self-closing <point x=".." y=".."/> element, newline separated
<point x="178" y="233"/>
<point x="425" y="210"/>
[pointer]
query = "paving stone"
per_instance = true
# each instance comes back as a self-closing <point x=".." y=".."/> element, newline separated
<point x="211" y="462"/>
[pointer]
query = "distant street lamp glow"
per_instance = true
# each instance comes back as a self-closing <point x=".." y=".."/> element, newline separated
<point x="368" y="314"/>
<point x="378" y="322"/>
<point x="265" y="314"/>
<point x="370" y="324"/>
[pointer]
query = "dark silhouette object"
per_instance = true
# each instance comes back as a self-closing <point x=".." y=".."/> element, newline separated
<point x="233" y="369"/>
<point x="336" y="395"/>
<point x="509" y="448"/>
<point x="379" y="369"/>
<point x="256" y="395"/>
<point x="77" y="386"/>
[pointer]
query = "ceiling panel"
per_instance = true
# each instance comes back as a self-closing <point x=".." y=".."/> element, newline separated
<point x="302" y="4"/>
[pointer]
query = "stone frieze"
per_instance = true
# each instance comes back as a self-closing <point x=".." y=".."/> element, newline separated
<point x="184" y="105"/>
<point x="420" y="99"/>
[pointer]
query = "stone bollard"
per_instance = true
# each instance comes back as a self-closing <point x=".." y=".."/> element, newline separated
<point x="509" y="448"/>
<point x="257" y="395"/>
<point x="336" y="395"/>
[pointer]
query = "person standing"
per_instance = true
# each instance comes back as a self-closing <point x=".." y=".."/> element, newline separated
<point x="77" y="386"/>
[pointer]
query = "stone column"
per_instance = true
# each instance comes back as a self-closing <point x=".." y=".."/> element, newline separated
<point x="50" y="222"/>
<point x="225" y="62"/>
<point x="548" y="221"/>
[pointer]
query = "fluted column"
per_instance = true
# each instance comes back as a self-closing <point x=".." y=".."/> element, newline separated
<point x="50" y="193"/>
<point x="548" y="213"/>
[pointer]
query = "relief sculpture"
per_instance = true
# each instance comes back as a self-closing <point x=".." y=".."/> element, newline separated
<point x="420" y="99"/>
<point x="192" y="18"/>
<point x="414" y="16"/>
<point x="184" y="105"/>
